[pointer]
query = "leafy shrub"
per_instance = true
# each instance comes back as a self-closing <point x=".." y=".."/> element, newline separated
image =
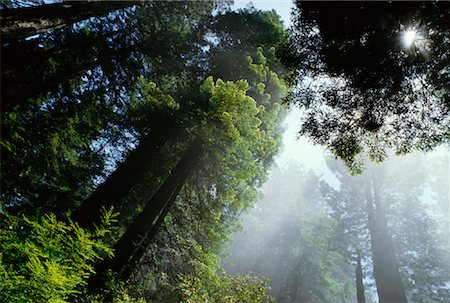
<point x="48" y="260"/>
<point x="211" y="284"/>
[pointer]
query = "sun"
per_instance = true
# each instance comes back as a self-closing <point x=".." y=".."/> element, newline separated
<point x="409" y="36"/>
<point x="415" y="39"/>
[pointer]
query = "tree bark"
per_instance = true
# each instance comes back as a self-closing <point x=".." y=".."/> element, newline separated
<point x="119" y="183"/>
<point x="132" y="245"/>
<point x="23" y="22"/>
<point x="390" y="288"/>
<point x="359" y="281"/>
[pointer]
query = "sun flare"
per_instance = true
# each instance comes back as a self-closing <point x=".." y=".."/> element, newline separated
<point x="409" y="37"/>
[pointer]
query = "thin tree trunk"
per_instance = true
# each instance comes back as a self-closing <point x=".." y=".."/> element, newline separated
<point x="129" y="173"/>
<point x="132" y="245"/>
<point x="140" y="250"/>
<point x="359" y="281"/>
<point x="390" y="288"/>
<point x="23" y="22"/>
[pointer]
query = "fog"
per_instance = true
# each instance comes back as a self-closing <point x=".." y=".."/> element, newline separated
<point x="312" y="219"/>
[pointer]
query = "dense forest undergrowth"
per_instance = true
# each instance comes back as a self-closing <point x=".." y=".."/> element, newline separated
<point x="135" y="135"/>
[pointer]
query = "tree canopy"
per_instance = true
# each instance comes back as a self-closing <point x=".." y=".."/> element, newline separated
<point x="129" y="111"/>
<point x="364" y="87"/>
<point x="136" y="134"/>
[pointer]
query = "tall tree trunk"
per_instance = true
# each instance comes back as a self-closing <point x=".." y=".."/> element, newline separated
<point x="132" y="245"/>
<point x="390" y="288"/>
<point x="129" y="173"/>
<point x="126" y="270"/>
<point x="359" y="281"/>
<point x="23" y="22"/>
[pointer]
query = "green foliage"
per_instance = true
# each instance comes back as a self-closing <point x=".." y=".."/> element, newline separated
<point x="223" y="288"/>
<point x="48" y="260"/>
<point x="250" y="113"/>
<point x="148" y="103"/>
<point x="349" y="151"/>
<point x="232" y="113"/>
<point x="237" y="112"/>
<point x="117" y="292"/>
<point x="139" y="72"/>
<point x="172" y="33"/>
<point x="198" y="277"/>
<point x="80" y="118"/>
<point x="47" y="156"/>
<point x="235" y="160"/>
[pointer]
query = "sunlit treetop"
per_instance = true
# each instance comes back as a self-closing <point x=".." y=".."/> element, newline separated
<point x="373" y="75"/>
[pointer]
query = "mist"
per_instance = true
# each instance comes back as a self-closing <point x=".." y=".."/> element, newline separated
<point x="312" y="220"/>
